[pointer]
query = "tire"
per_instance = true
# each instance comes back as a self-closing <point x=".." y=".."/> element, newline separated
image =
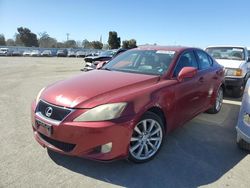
<point x="242" y="144"/>
<point x="238" y="91"/>
<point x="147" y="138"/>
<point x="218" y="103"/>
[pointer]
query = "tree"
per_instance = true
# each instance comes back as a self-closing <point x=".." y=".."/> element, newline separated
<point x="18" y="41"/>
<point x="70" y="44"/>
<point x="114" y="41"/>
<point x="46" y="41"/>
<point x="96" y="44"/>
<point x="128" y="44"/>
<point x="132" y="43"/>
<point x="2" y="40"/>
<point x="27" y="37"/>
<point x="10" y="42"/>
<point x="60" y="45"/>
<point x="86" y="44"/>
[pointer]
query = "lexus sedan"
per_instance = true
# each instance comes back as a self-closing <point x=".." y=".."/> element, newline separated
<point x="127" y="108"/>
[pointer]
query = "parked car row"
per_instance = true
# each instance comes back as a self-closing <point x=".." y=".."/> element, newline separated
<point x="47" y="53"/>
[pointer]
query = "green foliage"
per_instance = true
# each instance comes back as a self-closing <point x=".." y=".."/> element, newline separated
<point x="70" y="44"/>
<point x="128" y="44"/>
<point x="10" y="42"/>
<point x="46" y="41"/>
<point x="18" y="41"/>
<point x="27" y="37"/>
<point x="2" y="40"/>
<point x="60" y="45"/>
<point x="114" y="41"/>
<point x="96" y="44"/>
<point x="86" y="44"/>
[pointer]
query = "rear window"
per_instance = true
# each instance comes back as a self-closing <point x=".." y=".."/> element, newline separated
<point x="233" y="53"/>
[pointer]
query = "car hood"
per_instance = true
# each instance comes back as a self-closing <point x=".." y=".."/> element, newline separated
<point x="94" y="88"/>
<point x="228" y="63"/>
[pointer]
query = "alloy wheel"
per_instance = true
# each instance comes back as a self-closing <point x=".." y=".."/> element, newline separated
<point x="146" y="139"/>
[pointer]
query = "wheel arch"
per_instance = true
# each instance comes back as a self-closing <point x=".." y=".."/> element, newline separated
<point x="158" y="111"/>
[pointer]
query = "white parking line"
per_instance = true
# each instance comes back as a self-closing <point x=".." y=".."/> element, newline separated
<point x="232" y="102"/>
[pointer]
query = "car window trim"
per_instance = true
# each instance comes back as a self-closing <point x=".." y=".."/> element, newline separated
<point x="185" y="51"/>
<point x="198" y="60"/>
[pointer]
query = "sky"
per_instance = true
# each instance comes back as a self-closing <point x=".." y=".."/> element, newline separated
<point x="165" y="22"/>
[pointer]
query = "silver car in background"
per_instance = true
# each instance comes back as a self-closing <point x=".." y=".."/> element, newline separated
<point x="243" y="124"/>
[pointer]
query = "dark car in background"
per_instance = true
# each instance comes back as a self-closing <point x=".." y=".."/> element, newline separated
<point x="127" y="108"/>
<point x="98" y="64"/>
<point x="104" y="56"/>
<point x="62" y="53"/>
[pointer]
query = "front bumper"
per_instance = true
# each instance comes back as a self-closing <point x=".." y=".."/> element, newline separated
<point x="234" y="81"/>
<point x="85" y="139"/>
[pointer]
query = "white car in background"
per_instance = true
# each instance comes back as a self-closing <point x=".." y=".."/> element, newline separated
<point x="27" y="53"/>
<point x="4" y="51"/>
<point x="236" y="61"/>
<point x="35" y="53"/>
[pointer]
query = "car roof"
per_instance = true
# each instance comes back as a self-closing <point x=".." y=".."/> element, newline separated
<point x="170" y="48"/>
<point x="233" y="46"/>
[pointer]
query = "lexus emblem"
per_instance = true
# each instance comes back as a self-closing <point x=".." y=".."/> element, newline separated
<point x="48" y="111"/>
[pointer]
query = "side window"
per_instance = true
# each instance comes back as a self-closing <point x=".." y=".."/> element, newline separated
<point x="186" y="60"/>
<point x="205" y="61"/>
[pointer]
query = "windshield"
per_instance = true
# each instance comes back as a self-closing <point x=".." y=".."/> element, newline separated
<point x="154" y="62"/>
<point x="107" y="53"/>
<point x="227" y="53"/>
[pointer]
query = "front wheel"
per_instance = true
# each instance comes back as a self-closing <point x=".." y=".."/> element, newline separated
<point x="218" y="103"/>
<point x="147" y="138"/>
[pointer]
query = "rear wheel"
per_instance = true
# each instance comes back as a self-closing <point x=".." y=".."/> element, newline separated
<point x="147" y="138"/>
<point x="218" y="103"/>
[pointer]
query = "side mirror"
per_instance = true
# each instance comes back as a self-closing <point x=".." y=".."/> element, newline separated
<point x="187" y="72"/>
<point x="248" y="59"/>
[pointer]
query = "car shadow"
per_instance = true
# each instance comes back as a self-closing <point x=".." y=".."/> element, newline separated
<point x="196" y="154"/>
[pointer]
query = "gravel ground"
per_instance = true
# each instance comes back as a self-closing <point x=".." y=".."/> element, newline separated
<point x="202" y="153"/>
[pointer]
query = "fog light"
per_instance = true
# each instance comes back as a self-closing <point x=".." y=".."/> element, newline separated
<point x="106" y="147"/>
<point x="246" y="118"/>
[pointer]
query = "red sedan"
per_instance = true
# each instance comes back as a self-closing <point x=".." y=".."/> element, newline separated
<point x="126" y="109"/>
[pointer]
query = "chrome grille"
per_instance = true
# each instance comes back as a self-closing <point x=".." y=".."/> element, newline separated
<point x="57" y="113"/>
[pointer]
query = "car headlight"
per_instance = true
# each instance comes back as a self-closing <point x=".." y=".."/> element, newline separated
<point x="39" y="94"/>
<point x="103" y="112"/>
<point x="234" y="72"/>
<point x="246" y="118"/>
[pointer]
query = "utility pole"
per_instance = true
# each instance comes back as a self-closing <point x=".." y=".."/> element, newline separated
<point x="67" y="36"/>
